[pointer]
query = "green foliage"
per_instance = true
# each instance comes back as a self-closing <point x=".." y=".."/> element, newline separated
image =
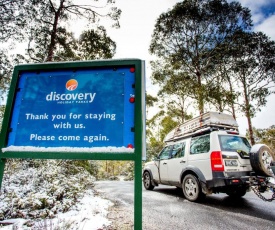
<point x="112" y="170"/>
<point x="253" y="66"/>
<point x="2" y="110"/>
<point x="154" y="146"/>
<point x="167" y="124"/>
<point x="129" y="170"/>
<point x="150" y="100"/>
<point x="44" y="25"/>
<point x="91" y="167"/>
<point x="187" y="40"/>
<point x="266" y="136"/>
<point x="5" y="73"/>
<point x="5" y="78"/>
<point x="157" y="128"/>
<point x="13" y="19"/>
<point x="95" y="44"/>
<point x="48" y="34"/>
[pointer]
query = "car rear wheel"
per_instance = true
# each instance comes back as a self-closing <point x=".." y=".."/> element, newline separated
<point x="147" y="181"/>
<point x="261" y="159"/>
<point x="191" y="188"/>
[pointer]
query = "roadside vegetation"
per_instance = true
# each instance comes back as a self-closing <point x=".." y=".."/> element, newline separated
<point x="41" y="189"/>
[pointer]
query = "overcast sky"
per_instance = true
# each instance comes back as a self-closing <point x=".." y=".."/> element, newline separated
<point x="137" y="23"/>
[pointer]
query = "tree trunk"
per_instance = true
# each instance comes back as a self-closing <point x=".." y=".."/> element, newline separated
<point x="231" y="99"/>
<point x="248" y="116"/>
<point x="182" y="110"/>
<point x="251" y="135"/>
<point x="200" y="94"/>
<point x="57" y="14"/>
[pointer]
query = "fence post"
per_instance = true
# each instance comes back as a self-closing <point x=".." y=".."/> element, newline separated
<point x="138" y="195"/>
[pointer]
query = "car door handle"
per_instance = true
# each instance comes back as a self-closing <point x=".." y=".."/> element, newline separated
<point x="182" y="161"/>
<point x="164" y="163"/>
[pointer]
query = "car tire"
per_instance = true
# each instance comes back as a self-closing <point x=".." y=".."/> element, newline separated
<point x="147" y="181"/>
<point x="192" y="189"/>
<point x="236" y="193"/>
<point x="261" y="158"/>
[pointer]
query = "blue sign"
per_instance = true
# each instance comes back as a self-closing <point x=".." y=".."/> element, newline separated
<point x="74" y="108"/>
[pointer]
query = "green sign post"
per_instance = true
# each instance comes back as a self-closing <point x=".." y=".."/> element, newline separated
<point x="90" y="110"/>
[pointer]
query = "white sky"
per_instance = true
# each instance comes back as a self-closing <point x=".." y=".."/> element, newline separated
<point x="137" y="23"/>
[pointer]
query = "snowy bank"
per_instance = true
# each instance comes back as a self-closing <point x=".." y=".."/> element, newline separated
<point x="90" y="213"/>
<point x="50" y="194"/>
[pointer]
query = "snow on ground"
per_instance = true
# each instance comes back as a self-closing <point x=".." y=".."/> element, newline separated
<point x="89" y="214"/>
<point x="109" y="149"/>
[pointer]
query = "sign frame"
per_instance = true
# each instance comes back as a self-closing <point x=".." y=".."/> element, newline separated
<point x="139" y="151"/>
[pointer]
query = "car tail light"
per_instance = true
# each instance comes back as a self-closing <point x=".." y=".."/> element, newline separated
<point x="216" y="161"/>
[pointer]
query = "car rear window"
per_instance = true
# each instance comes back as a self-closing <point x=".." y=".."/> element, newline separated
<point x="234" y="143"/>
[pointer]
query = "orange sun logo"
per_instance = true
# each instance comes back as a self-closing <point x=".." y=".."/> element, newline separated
<point x="71" y="84"/>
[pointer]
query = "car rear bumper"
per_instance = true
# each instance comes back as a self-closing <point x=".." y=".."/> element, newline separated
<point x="233" y="179"/>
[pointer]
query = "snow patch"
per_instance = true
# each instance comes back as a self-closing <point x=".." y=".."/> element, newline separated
<point x="68" y="149"/>
<point x="89" y="214"/>
<point x="50" y="194"/>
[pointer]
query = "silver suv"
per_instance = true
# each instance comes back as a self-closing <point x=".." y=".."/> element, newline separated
<point x="204" y="160"/>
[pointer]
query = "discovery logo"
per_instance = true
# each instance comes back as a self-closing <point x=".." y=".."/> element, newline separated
<point x="71" y="85"/>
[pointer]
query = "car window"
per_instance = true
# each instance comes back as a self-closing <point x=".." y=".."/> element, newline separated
<point x="233" y="143"/>
<point x="178" y="150"/>
<point x="200" y="144"/>
<point x="165" y="153"/>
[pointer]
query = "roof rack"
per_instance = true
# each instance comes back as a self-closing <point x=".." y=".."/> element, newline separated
<point x="204" y="122"/>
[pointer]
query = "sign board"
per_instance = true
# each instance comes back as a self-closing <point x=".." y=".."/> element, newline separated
<point x="77" y="107"/>
<point x="89" y="110"/>
<point x="74" y="108"/>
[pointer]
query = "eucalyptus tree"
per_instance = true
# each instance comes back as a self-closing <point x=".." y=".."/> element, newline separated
<point x="220" y="92"/>
<point x="150" y="100"/>
<point x="188" y="37"/>
<point x="5" y="70"/>
<point x="157" y="128"/>
<point x="12" y="22"/>
<point x="253" y="66"/>
<point x="266" y="136"/>
<point x="91" y="44"/>
<point x="12" y="19"/>
<point x="169" y="81"/>
<point x="95" y="44"/>
<point x="5" y="73"/>
<point x="48" y="30"/>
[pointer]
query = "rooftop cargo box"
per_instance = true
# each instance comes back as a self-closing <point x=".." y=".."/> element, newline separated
<point x="204" y="121"/>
